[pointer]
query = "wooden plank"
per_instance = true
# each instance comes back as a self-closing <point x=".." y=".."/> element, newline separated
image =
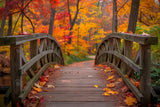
<point x="129" y="62"/>
<point x="16" y="78"/>
<point x="145" y="77"/>
<point x="132" y="87"/>
<point x="32" y="81"/>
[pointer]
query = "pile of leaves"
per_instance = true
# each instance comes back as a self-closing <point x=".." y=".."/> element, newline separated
<point x="116" y="88"/>
<point x="34" y="98"/>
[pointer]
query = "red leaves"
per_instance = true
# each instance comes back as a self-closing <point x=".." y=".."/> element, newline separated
<point x="62" y="15"/>
<point x="54" y="3"/>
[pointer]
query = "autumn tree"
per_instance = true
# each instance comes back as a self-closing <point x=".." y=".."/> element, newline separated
<point x="133" y="16"/>
<point x="114" y="20"/>
<point x="72" y="20"/>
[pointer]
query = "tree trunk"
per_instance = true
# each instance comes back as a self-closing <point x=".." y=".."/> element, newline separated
<point x="22" y="16"/>
<point x="52" y="16"/>
<point x="72" y="22"/>
<point x="10" y="23"/>
<point x="133" y="16"/>
<point x="4" y="20"/>
<point x="114" y="20"/>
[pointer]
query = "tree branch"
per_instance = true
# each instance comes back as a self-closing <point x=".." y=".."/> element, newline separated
<point x="122" y="6"/>
<point x="16" y="22"/>
<point x="75" y="17"/>
<point x="70" y="17"/>
<point x="29" y="21"/>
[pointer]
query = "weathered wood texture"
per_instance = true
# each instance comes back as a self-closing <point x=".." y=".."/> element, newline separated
<point x="75" y="84"/>
<point x="118" y="53"/>
<point x="44" y="50"/>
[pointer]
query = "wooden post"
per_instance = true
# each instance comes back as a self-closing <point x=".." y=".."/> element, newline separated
<point x="34" y="52"/>
<point x="16" y="78"/>
<point x="145" y="78"/>
<point x="49" y="48"/>
<point x="127" y="46"/>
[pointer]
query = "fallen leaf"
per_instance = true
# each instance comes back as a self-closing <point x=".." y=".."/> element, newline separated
<point x="112" y="80"/>
<point x="106" y="94"/>
<point x="42" y="83"/>
<point x="119" y="80"/>
<point x="37" y="89"/>
<point x="124" y="89"/>
<point x="130" y="100"/>
<point x="96" y="86"/>
<point x="110" y="77"/>
<point x="56" y="66"/>
<point x="126" y="76"/>
<point x="37" y="85"/>
<point x="33" y="92"/>
<point x="129" y="94"/>
<point x="50" y="86"/>
<point x="113" y="92"/>
<point x="106" y="89"/>
<point x="111" y="85"/>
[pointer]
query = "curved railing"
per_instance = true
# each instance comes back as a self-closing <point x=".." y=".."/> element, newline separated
<point x="116" y="50"/>
<point x="44" y="50"/>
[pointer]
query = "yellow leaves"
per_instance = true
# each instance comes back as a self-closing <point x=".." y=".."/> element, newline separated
<point x="42" y="83"/>
<point x="119" y="80"/>
<point x="56" y="66"/>
<point x="130" y="100"/>
<point x="108" y="92"/>
<point x="96" y="86"/>
<point x="37" y="89"/>
<point x="111" y="85"/>
<point x="110" y="77"/>
<point x="107" y="69"/>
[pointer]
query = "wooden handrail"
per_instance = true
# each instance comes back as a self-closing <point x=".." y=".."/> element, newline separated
<point x="42" y="54"/>
<point x="116" y="51"/>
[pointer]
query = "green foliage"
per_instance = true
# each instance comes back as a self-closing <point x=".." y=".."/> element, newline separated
<point x="155" y="73"/>
<point x="154" y="31"/>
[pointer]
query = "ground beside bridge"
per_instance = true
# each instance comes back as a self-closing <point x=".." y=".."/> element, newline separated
<point x="83" y="85"/>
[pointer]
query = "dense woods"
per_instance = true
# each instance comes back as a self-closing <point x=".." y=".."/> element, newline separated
<point x="79" y="25"/>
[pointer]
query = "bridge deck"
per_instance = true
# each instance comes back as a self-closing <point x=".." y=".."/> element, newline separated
<point x="75" y="88"/>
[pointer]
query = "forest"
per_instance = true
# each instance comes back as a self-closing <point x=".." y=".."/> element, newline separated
<point x="79" y="25"/>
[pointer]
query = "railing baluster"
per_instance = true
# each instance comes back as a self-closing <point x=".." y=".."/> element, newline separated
<point x="34" y="52"/>
<point x="16" y="78"/>
<point x="145" y="78"/>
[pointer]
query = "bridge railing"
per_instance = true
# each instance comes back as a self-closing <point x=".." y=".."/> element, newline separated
<point x="44" y="50"/>
<point x="116" y="50"/>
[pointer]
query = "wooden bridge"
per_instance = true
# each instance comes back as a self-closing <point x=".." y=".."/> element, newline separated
<point x="115" y="50"/>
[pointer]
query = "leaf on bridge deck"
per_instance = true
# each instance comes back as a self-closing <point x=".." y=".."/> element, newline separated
<point x="130" y="100"/>
<point x="111" y="85"/>
<point x="119" y="80"/>
<point x="50" y="86"/>
<point x="108" y="92"/>
<point x="110" y="77"/>
<point x="42" y="83"/>
<point x="37" y="89"/>
<point x="96" y="86"/>
<point x="124" y="89"/>
<point x="37" y="85"/>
